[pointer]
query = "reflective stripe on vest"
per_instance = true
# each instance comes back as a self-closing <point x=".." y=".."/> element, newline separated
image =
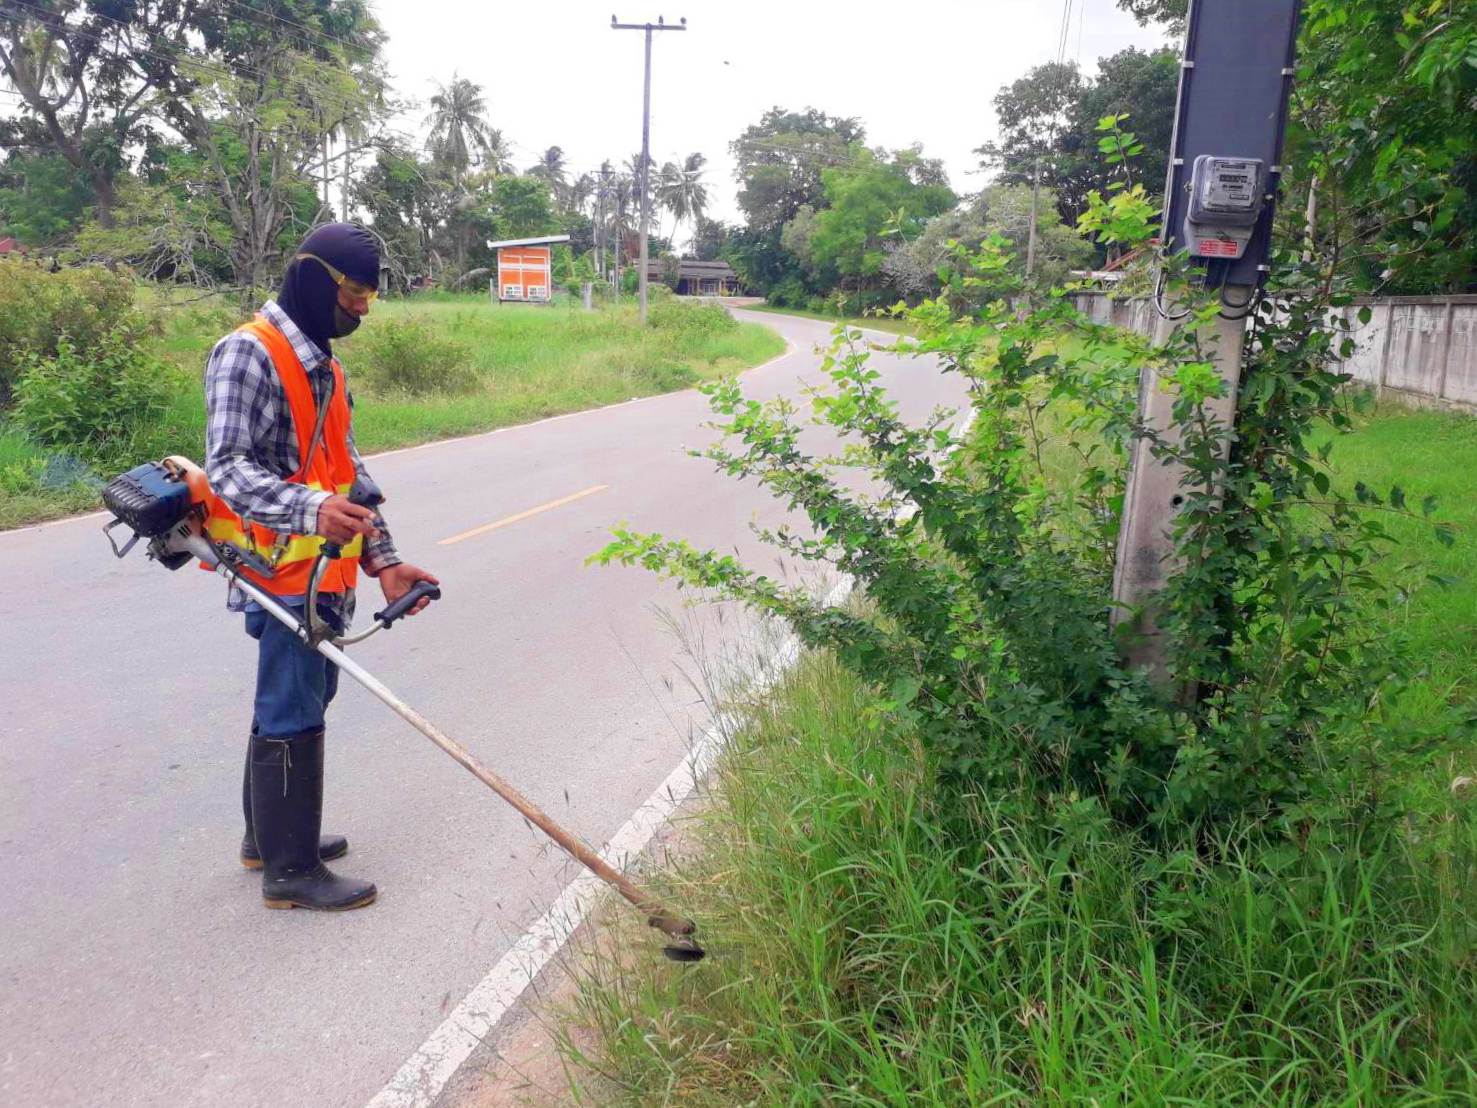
<point x="331" y="468"/>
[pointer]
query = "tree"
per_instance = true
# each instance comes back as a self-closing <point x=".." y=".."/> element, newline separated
<point x="1049" y="121"/>
<point x="43" y="199"/>
<point x="868" y="204"/>
<point x="1383" y="118"/>
<point x="1169" y="12"/>
<point x="709" y="239"/>
<point x="1034" y="112"/>
<point x="90" y="78"/>
<point x="780" y="159"/>
<point x="256" y="127"/>
<point x="577" y="196"/>
<point x="550" y="169"/>
<point x="461" y="135"/>
<point x="407" y="205"/>
<point x="679" y="189"/>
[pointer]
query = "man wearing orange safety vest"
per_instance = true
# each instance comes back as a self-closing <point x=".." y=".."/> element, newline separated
<point x="280" y="457"/>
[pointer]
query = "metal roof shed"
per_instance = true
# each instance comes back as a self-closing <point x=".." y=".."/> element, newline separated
<point x="525" y="268"/>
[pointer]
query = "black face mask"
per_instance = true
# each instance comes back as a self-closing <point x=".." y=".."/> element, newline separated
<point x="344" y="323"/>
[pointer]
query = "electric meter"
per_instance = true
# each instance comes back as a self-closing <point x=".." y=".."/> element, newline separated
<point x="1226" y="197"/>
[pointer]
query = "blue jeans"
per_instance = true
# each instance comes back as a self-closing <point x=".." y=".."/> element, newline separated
<point x="294" y="684"/>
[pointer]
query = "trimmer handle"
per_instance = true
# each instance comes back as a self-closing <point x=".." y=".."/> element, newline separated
<point x="364" y="493"/>
<point x="418" y="591"/>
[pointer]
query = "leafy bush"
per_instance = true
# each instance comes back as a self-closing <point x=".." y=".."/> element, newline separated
<point x="39" y="308"/>
<point x="410" y="356"/>
<point x="93" y="403"/>
<point x="992" y="635"/>
<point x="690" y="322"/>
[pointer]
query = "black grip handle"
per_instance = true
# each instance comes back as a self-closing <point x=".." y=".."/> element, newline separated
<point x="419" y="590"/>
<point x="364" y="493"/>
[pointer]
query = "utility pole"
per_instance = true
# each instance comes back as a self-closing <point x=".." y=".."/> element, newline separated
<point x="348" y="169"/>
<point x="1224" y="172"/>
<point x="645" y="177"/>
<point x="1035" y="208"/>
<point x="600" y="227"/>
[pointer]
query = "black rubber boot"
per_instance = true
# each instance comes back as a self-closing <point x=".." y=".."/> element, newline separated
<point x="329" y="846"/>
<point x="287" y="814"/>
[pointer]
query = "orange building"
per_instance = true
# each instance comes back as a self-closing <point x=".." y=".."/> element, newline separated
<point x="525" y="268"/>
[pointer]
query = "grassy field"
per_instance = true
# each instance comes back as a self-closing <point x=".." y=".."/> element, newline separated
<point x="866" y="951"/>
<point x="516" y="363"/>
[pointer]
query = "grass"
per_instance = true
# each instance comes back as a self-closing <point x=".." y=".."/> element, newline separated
<point x="875" y="323"/>
<point x="1428" y="453"/>
<point x="880" y="941"/>
<point x="863" y="954"/>
<point x="524" y="363"/>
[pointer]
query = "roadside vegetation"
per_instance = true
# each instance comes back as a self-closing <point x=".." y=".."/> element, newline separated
<point x="880" y="935"/>
<point x="85" y="401"/>
<point x="972" y="852"/>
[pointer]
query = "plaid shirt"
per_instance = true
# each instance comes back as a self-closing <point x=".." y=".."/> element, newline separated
<point x="251" y="445"/>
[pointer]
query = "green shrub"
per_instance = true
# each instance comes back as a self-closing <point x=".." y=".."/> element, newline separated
<point x="992" y="634"/>
<point x="690" y="321"/>
<point x="92" y="403"/>
<point x="38" y="308"/>
<point x="410" y="356"/>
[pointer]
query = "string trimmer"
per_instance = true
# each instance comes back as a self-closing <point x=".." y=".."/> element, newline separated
<point x="164" y="503"/>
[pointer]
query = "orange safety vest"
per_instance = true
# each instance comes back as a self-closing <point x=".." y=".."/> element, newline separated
<point x="330" y="468"/>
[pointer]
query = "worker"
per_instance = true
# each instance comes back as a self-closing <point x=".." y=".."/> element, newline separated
<point x="265" y="385"/>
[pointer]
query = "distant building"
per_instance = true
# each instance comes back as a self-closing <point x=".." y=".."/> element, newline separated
<point x="525" y="268"/>
<point x="698" y="278"/>
<point x="8" y="245"/>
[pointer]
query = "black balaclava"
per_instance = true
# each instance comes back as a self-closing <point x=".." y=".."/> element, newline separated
<point x="310" y="296"/>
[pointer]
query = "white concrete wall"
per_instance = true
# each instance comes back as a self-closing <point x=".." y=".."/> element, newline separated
<point x="1420" y="346"/>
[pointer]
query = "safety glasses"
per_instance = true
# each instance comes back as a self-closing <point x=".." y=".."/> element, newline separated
<point x="348" y="284"/>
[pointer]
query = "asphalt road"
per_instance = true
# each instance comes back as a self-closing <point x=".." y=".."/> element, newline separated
<point x="137" y="964"/>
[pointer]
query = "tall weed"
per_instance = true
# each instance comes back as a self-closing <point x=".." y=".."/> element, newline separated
<point x="866" y="951"/>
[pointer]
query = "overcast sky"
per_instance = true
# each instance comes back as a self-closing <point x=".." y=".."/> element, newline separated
<point x="922" y="71"/>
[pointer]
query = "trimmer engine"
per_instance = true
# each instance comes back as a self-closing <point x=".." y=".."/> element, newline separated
<point x="155" y="502"/>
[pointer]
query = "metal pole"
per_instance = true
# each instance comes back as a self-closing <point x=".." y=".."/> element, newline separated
<point x="645" y="172"/>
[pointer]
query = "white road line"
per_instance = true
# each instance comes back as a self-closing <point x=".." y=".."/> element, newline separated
<point x="423" y="1076"/>
<point x="425" y="1073"/>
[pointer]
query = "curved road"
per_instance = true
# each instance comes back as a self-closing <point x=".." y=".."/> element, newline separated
<point x="137" y="965"/>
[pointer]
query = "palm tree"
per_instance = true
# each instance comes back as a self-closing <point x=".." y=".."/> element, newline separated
<point x="578" y="194"/>
<point x="550" y="169"/>
<point x="692" y="185"/>
<point x="666" y="192"/>
<point x="622" y="198"/>
<point x="460" y="132"/>
<point x="680" y="190"/>
<point x="497" y="157"/>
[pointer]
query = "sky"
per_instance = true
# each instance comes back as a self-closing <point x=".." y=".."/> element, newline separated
<point x="554" y="73"/>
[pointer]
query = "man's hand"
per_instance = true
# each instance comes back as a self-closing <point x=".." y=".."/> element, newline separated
<point x="339" y="520"/>
<point x="397" y="580"/>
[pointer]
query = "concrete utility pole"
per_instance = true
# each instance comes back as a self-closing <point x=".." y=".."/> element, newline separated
<point x="1035" y="215"/>
<point x="645" y="178"/>
<point x="1224" y="171"/>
